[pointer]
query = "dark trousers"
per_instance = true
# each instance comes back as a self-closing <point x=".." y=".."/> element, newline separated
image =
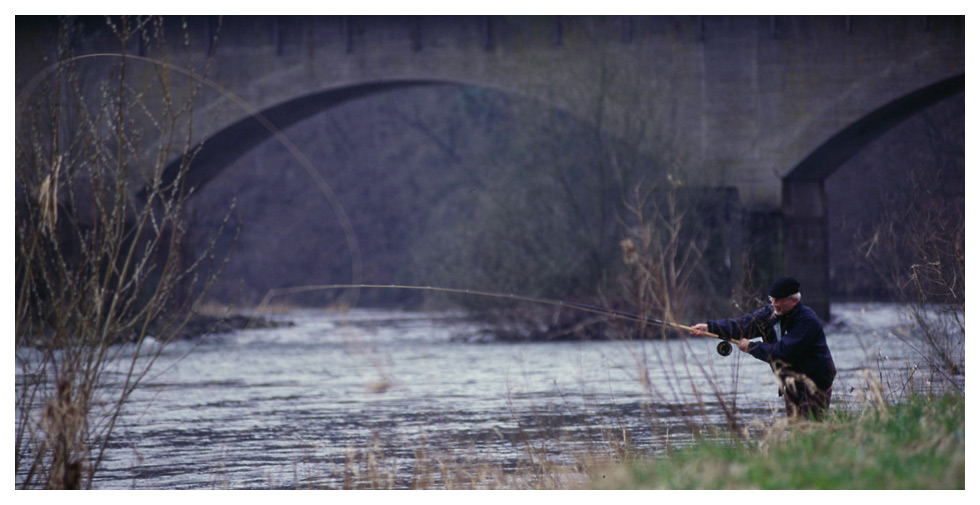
<point x="804" y="400"/>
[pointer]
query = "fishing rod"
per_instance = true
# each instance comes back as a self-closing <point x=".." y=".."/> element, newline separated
<point x="724" y="347"/>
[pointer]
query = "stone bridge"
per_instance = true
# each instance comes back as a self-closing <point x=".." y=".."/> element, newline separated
<point x="770" y="105"/>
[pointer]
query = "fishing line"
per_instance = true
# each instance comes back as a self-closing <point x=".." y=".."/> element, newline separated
<point x="594" y="309"/>
<point x="724" y="348"/>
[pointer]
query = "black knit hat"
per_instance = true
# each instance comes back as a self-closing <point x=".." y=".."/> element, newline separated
<point x="784" y="287"/>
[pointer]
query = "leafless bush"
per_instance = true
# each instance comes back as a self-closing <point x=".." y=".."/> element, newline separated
<point x="661" y="258"/>
<point x="102" y="278"/>
<point x="916" y="248"/>
<point x="668" y="280"/>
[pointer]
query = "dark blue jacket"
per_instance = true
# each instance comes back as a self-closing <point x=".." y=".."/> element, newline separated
<point x="802" y="346"/>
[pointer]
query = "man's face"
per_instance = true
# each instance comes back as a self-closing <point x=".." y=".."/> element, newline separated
<point x="782" y="305"/>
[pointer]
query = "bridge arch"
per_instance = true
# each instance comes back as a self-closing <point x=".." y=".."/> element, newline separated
<point x="223" y="148"/>
<point x="806" y="247"/>
<point x="219" y="151"/>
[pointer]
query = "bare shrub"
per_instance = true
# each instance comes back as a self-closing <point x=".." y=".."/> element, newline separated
<point x="916" y="247"/>
<point x="103" y="279"/>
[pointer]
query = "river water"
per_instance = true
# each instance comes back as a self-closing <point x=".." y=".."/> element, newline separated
<point x="361" y="397"/>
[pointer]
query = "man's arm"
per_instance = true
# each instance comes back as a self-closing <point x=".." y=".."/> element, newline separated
<point x="791" y="346"/>
<point x="748" y="326"/>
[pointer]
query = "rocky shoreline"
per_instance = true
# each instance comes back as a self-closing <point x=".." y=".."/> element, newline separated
<point x="202" y="325"/>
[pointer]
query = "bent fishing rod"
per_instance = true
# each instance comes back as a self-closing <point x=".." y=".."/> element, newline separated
<point x="724" y="347"/>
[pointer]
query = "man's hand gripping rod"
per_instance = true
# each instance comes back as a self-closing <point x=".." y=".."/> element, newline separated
<point x="724" y="347"/>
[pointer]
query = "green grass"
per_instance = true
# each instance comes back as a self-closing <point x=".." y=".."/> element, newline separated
<point x="918" y="444"/>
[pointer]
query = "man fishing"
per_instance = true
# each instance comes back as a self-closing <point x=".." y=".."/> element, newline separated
<point x="793" y="343"/>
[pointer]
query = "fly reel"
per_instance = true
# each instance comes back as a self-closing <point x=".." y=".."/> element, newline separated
<point x="724" y="348"/>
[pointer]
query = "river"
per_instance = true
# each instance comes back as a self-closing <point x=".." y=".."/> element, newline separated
<point x="364" y="397"/>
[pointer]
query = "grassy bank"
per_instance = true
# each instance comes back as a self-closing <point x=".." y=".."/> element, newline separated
<point x="919" y="444"/>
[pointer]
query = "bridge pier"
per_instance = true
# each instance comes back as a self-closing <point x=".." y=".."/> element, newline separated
<point x="806" y="248"/>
